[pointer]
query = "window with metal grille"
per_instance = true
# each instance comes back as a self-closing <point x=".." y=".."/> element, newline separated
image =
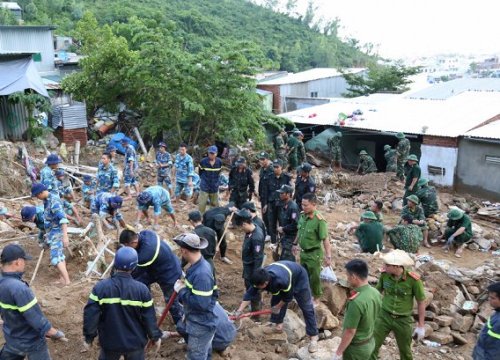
<point x="436" y="170"/>
<point x="490" y="159"/>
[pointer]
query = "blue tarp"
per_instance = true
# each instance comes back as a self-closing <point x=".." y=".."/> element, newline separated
<point x="116" y="142"/>
<point x="19" y="75"/>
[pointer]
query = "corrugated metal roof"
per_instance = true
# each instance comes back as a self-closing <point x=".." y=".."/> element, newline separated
<point x="28" y="27"/>
<point x="489" y="131"/>
<point x="10" y="5"/>
<point x="72" y="116"/>
<point x="445" y="90"/>
<point x="309" y="75"/>
<point x="450" y="118"/>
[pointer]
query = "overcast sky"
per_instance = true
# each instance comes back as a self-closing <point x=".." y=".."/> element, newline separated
<point x="410" y="28"/>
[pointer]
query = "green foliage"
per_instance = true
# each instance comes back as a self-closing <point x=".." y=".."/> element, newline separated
<point x="32" y="101"/>
<point x="7" y="18"/>
<point x="380" y="78"/>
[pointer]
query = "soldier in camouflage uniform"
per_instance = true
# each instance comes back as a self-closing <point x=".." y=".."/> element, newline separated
<point x="414" y="209"/>
<point x="301" y="150"/>
<point x="391" y="157"/>
<point x="406" y="236"/>
<point x="428" y="197"/>
<point x="366" y="163"/>
<point x="403" y="150"/>
<point x="280" y="147"/>
<point x="293" y="146"/>
<point x="335" y="144"/>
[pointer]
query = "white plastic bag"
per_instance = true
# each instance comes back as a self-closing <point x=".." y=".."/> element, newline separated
<point x="327" y="274"/>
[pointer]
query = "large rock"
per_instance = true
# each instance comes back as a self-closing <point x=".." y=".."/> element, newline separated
<point x="294" y="327"/>
<point x="443" y="320"/>
<point x="428" y="329"/>
<point x="335" y="297"/>
<point x="458" y="338"/>
<point x="462" y="323"/>
<point x="397" y="205"/>
<point x="484" y="244"/>
<point x="477" y="325"/>
<point x="441" y="337"/>
<point x="485" y="311"/>
<point x="325" y="318"/>
<point x="266" y="333"/>
<point x="325" y="351"/>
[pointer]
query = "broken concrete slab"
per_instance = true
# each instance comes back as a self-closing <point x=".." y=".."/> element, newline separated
<point x="294" y="327"/>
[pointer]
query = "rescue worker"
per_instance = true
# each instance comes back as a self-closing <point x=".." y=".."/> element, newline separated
<point x="391" y="158"/>
<point x="223" y="183"/>
<point x="279" y="142"/>
<point x="89" y="188"/>
<point x="35" y="215"/>
<point x="270" y="197"/>
<point x="403" y="150"/>
<point x="206" y="233"/>
<point x="25" y="328"/>
<point x="157" y="197"/>
<point x="335" y="145"/>
<point x="301" y="149"/>
<point x="164" y="164"/>
<point x="293" y="146"/>
<point x="428" y="197"/>
<point x="47" y="175"/>
<point x="182" y="170"/>
<point x="121" y="312"/>
<point x="198" y="293"/>
<point x="130" y="169"/>
<point x="209" y="170"/>
<point x="376" y="208"/>
<point x="67" y="196"/>
<point x="370" y="233"/>
<point x="56" y="225"/>
<point x="414" y="209"/>
<point x="312" y="237"/>
<point x="250" y="206"/>
<point x="406" y="236"/>
<point x="363" y="307"/>
<point x="107" y="176"/>
<point x="111" y="149"/>
<point x="157" y="264"/>
<point x="400" y="288"/>
<point x="265" y="173"/>
<point x="225" y="331"/>
<point x="366" y="163"/>
<point x="241" y="183"/>
<point x="107" y="205"/>
<point x="215" y="219"/>
<point x="458" y="231"/>
<point x="285" y="280"/>
<point x="288" y="217"/>
<point x="252" y="252"/>
<point x="304" y="184"/>
<point x="412" y="176"/>
<point x="488" y="342"/>
<point x="196" y="187"/>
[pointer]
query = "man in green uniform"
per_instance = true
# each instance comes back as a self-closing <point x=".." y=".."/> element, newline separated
<point x="406" y="236"/>
<point x="403" y="150"/>
<point x="412" y="177"/>
<point x="370" y="233"/>
<point x="293" y="146"/>
<point x="458" y="231"/>
<point x="366" y="163"/>
<point x="280" y="146"/>
<point x="400" y="287"/>
<point x="362" y="309"/>
<point x="312" y="236"/>
<point x="428" y="197"/>
<point x="376" y="207"/>
<point x="414" y="209"/>
<point x="335" y="145"/>
<point x="391" y="158"/>
<point x="301" y="150"/>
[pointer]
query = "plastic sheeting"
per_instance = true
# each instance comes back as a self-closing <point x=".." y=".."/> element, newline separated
<point x="19" y="75"/>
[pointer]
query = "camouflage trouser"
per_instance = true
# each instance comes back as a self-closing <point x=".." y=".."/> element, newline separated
<point x="336" y="154"/>
<point x="400" y="171"/>
<point x="391" y="167"/>
<point x="281" y="154"/>
<point x="54" y="239"/>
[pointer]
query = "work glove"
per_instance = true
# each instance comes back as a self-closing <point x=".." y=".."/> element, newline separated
<point x="419" y="333"/>
<point x="275" y="310"/>
<point x="450" y="240"/>
<point x="157" y="345"/>
<point x="179" y="285"/>
<point x="165" y="335"/>
<point x="59" y="335"/>
<point x="237" y="313"/>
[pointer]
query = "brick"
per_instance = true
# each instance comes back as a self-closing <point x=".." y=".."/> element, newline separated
<point x="443" y="320"/>
<point x="69" y="136"/>
<point x="440" y="141"/>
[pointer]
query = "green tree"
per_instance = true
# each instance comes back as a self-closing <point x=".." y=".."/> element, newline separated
<point x="32" y="101"/>
<point x="30" y="11"/>
<point x="380" y="78"/>
<point x="7" y="18"/>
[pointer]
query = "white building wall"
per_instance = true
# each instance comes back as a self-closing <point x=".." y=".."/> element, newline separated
<point x="443" y="157"/>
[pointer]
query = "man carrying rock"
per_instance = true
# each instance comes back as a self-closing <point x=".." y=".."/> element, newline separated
<point x="406" y="236"/>
<point x="362" y="309"/>
<point x="412" y="177"/>
<point x="458" y="231"/>
<point x="286" y="281"/>
<point x="370" y="233"/>
<point x="414" y="209"/>
<point x="488" y="343"/>
<point x="400" y="287"/>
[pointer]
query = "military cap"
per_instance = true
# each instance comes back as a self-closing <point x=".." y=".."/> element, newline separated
<point x="400" y="135"/>
<point x="455" y="214"/>
<point x="363" y="152"/>
<point x="369" y="215"/>
<point x="412" y="157"/>
<point x="413" y="199"/>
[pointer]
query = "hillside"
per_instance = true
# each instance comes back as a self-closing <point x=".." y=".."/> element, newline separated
<point x="288" y="42"/>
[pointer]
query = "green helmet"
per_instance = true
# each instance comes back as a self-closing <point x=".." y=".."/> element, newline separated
<point x="368" y="215"/>
<point x="422" y="182"/>
<point x="338" y="134"/>
<point x="413" y="198"/>
<point x="400" y="135"/>
<point x="413" y="157"/>
<point x="363" y="152"/>
<point x="387" y="147"/>
<point x="455" y="214"/>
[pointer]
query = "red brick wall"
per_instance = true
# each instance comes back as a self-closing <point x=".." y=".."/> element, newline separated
<point x="275" y="89"/>
<point x="70" y="136"/>
<point x="440" y="141"/>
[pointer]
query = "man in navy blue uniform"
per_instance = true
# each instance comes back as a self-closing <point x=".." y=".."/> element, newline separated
<point x="120" y="311"/>
<point x="198" y="293"/>
<point x="488" y="343"/>
<point x="24" y="325"/>
<point x="157" y="264"/>
<point x="209" y="170"/>
<point x="285" y="280"/>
